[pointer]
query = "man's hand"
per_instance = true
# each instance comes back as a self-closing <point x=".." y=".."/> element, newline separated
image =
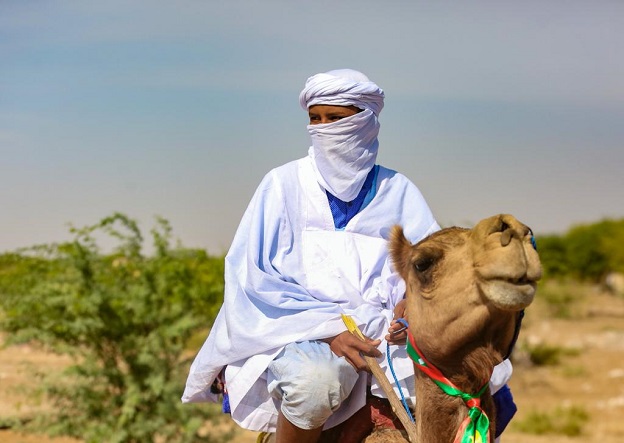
<point x="397" y="332"/>
<point x="350" y="347"/>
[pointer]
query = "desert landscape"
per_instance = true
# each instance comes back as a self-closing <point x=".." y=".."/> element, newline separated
<point x="568" y="374"/>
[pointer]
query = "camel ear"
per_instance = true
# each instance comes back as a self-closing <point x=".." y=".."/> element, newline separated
<point x="400" y="250"/>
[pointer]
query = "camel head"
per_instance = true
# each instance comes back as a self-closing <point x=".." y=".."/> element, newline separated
<point x="465" y="286"/>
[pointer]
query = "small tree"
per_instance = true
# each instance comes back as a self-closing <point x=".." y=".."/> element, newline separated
<point x="587" y="259"/>
<point x="586" y="252"/>
<point x="125" y="318"/>
<point x="553" y="255"/>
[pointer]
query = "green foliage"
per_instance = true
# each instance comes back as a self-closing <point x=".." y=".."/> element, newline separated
<point x="543" y="354"/>
<point x="125" y="318"/>
<point x="574" y="371"/>
<point x="562" y="298"/>
<point x="587" y="252"/>
<point x="586" y="257"/>
<point x="562" y="421"/>
<point x="553" y="255"/>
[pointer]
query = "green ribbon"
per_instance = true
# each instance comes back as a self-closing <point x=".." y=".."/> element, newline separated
<point x="475" y="428"/>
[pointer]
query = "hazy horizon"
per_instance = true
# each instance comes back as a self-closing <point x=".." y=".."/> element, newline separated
<point x="179" y="109"/>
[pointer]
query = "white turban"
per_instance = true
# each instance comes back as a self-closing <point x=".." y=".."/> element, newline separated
<point x="343" y="152"/>
<point x="342" y="87"/>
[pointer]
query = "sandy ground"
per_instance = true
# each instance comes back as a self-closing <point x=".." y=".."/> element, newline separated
<point x="589" y="376"/>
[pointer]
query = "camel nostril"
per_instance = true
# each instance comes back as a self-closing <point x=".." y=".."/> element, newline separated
<point x="506" y="237"/>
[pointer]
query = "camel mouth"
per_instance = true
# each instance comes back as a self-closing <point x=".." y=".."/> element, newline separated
<point x="524" y="280"/>
<point x="510" y="294"/>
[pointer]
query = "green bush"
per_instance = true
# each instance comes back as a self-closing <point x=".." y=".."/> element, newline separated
<point x="574" y="371"/>
<point x="563" y="298"/>
<point x="542" y="354"/>
<point x="586" y="252"/>
<point x="562" y="421"/>
<point x="553" y="254"/>
<point x="125" y="318"/>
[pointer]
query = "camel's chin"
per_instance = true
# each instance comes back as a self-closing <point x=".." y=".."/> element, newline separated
<point x="509" y="296"/>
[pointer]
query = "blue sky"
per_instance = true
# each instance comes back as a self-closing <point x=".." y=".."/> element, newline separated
<point x="178" y="109"/>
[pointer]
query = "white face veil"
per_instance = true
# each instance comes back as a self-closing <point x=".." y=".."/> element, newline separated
<point x="344" y="152"/>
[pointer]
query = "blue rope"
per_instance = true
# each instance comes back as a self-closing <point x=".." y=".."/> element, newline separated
<point x="396" y="380"/>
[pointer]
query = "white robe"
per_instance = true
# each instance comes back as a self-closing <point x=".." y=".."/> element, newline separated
<point x="289" y="275"/>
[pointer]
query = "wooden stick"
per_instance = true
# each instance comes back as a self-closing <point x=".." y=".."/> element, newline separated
<point x="386" y="386"/>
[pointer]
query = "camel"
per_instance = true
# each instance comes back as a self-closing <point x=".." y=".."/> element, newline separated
<point x="465" y="290"/>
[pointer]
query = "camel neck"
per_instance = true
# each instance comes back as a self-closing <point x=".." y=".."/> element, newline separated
<point x="476" y="425"/>
<point x="435" y="374"/>
<point x="468" y="367"/>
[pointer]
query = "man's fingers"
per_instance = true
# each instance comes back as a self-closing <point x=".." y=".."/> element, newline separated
<point x="352" y="348"/>
<point x="368" y="347"/>
<point x="398" y="339"/>
<point x="357" y="361"/>
<point x="358" y="348"/>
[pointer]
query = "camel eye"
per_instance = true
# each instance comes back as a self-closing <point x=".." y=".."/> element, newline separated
<point x="423" y="264"/>
<point x="423" y="269"/>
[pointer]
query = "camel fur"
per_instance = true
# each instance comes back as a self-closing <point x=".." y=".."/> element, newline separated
<point x="465" y="288"/>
